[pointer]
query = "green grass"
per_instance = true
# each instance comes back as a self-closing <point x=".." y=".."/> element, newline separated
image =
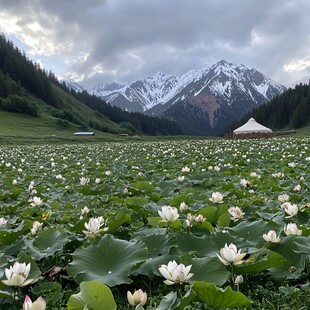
<point x="22" y="128"/>
<point x="302" y="132"/>
<point x="15" y="128"/>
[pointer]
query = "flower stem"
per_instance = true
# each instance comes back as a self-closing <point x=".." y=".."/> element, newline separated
<point x="233" y="277"/>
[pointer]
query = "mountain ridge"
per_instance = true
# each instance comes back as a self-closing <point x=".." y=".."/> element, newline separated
<point x="220" y="93"/>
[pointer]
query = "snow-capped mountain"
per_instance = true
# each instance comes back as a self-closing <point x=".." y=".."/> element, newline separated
<point x="205" y="100"/>
<point x="138" y="96"/>
<point x="223" y="79"/>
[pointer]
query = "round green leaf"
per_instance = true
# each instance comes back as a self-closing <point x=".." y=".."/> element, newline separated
<point x="46" y="243"/>
<point x="93" y="295"/>
<point x="109" y="261"/>
<point x="218" y="298"/>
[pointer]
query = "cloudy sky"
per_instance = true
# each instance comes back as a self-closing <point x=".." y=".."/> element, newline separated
<point x="101" y="41"/>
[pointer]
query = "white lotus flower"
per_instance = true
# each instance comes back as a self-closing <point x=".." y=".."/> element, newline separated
<point x="236" y="213"/>
<point x="168" y="214"/>
<point x="272" y="237"/>
<point x="283" y="198"/>
<point x="217" y="168"/>
<point x="31" y="186"/>
<point x="297" y="188"/>
<point x="175" y="273"/>
<point x="17" y="275"/>
<point x="230" y="255"/>
<point x="94" y="227"/>
<point x="189" y="220"/>
<point x="217" y="197"/>
<point x="186" y="169"/>
<point x="137" y="298"/>
<point x="39" y="304"/>
<point x="244" y="182"/>
<point x="3" y="221"/>
<point x="181" y="178"/>
<point x="292" y="229"/>
<point x="290" y="209"/>
<point x="36" y="226"/>
<point x="200" y="219"/>
<point x="84" y="181"/>
<point x="183" y="206"/>
<point x="85" y="210"/>
<point x="33" y="192"/>
<point x="278" y="175"/>
<point x="36" y="201"/>
<point x="255" y="175"/>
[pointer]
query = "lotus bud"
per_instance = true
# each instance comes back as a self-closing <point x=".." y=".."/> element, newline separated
<point x="239" y="279"/>
<point x="39" y="304"/>
<point x="271" y="236"/>
<point x="137" y="298"/>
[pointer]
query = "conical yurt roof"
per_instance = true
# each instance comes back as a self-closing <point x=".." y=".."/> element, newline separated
<point x="252" y="126"/>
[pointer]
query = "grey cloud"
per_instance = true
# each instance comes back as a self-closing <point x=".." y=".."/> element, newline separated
<point x="129" y="40"/>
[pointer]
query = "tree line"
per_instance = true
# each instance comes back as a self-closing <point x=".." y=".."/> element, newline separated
<point x="134" y="121"/>
<point x="289" y="110"/>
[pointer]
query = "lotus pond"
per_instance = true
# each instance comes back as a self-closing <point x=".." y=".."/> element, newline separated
<point x="204" y="224"/>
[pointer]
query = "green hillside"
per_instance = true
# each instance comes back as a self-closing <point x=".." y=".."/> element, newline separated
<point x="33" y="101"/>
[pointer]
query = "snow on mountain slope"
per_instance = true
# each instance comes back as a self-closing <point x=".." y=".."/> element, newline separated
<point x="205" y="100"/>
<point x="157" y="93"/>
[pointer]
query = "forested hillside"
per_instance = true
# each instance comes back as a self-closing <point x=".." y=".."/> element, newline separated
<point x="27" y="88"/>
<point x="291" y="110"/>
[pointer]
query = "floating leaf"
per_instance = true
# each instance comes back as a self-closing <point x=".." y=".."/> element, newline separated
<point x="168" y="301"/>
<point x="46" y="242"/>
<point x="109" y="261"/>
<point x="207" y="269"/>
<point x="218" y="298"/>
<point x="262" y="260"/>
<point x="93" y="295"/>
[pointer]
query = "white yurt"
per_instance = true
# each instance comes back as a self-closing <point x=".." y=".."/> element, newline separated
<point x="252" y="129"/>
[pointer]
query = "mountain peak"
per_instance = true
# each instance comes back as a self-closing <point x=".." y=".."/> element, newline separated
<point x="224" y="80"/>
<point x="160" y="73"/>
<point x="223" y="63"/>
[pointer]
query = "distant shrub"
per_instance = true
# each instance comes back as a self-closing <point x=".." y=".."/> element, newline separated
<point x="14" y="103"/>
<point x="62" y="123"/>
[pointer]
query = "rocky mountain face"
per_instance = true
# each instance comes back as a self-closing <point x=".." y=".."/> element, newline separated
<point x="204" y="101"/>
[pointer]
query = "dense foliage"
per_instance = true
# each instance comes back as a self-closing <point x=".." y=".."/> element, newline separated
<point x="291" y="110"/>
<point x="95" y="221"/>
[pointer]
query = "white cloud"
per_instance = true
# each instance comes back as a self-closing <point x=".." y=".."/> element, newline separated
<point x="297" y="65"/>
